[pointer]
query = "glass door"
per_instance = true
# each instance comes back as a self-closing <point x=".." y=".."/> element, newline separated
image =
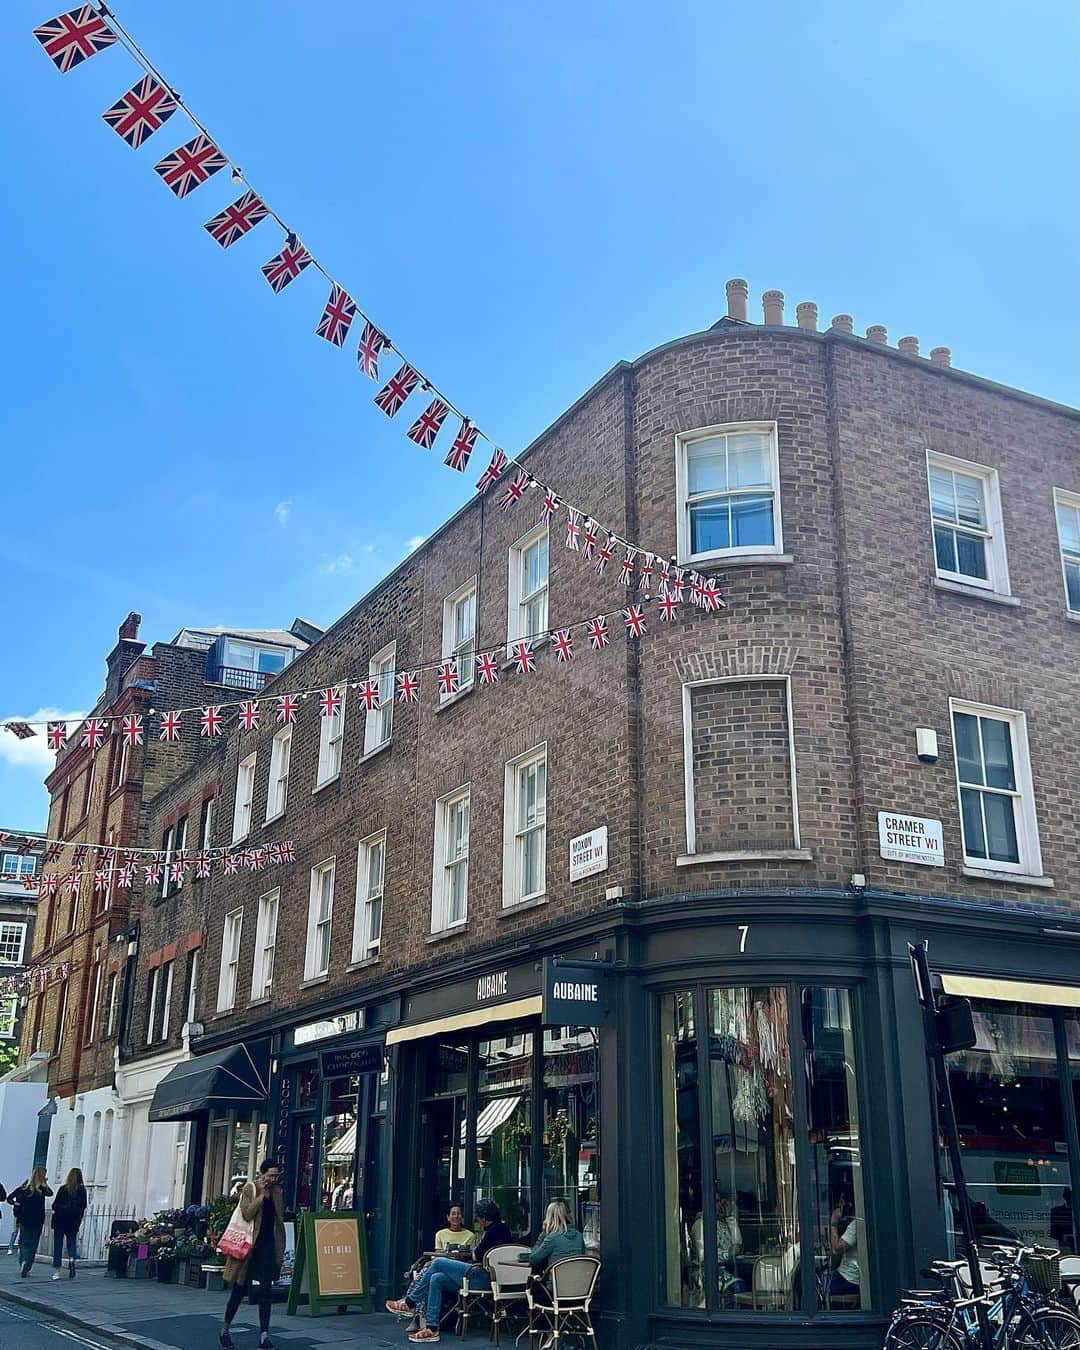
<point x="303" y="1150"/>
<point x="503" y="1125"/>
<point x="338" y="1162"/>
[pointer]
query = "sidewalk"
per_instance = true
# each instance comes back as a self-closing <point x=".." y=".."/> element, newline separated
<point x="168" y="1317"/>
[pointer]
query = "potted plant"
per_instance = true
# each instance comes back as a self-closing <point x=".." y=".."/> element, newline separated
<point x="120" y="1246"/>
<point x="190" y="1251"/>
<point x="166" y="1262"/>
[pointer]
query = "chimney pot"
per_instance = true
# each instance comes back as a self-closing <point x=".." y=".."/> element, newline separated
<point x="772" y="302"/>
<point x="843" y="323"/>
<point x="737" y="294"/>
<point x="941" y="356"/>
<point x="909" y="345"/>
<point x="130" y="627"/>
<point x="877" y="332"/>
<point x="806" y="315"/>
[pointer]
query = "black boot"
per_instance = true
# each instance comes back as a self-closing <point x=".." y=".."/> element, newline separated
<point x="71" y="1270"/>
<point x="265" y="1343"/>
<point x="225" y="1339"/>
<point x="25" y="1268"/>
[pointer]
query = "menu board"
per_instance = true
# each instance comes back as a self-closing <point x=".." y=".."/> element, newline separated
<point x="330" y="1270"/>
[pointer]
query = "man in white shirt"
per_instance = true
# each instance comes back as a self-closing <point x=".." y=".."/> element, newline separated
<point x="844" y="1239"/>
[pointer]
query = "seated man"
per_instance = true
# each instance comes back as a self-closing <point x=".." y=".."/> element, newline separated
<point x="442" y="1278"/>
<point x="843" y="1239"/>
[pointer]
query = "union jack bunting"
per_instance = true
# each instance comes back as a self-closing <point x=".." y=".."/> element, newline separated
<point x="493" y="472"/>
<point x="286" y="266"/>
<point x="125" y="876"/>
<point x="464" y="443"/>
<point x="515" y="489"/>
<point x="79" y="856"/>
<point x="56" y="732"/>
<point x="397" y="389"/>
<point x="141" y="111"/>
<point x="573" y="528"/>
<point x="52" y="852"/>
<point x="408" y="686"/>
<point x="212" y="721"/>
<point x="152" y="873"/>
<point x="563" y="643"/>
<point x="448" y="678"/>
<point x="549" y="507"/>
<point x="589" y="535"/>
<point x="48" y="883"/>
<point x="337" y="317"/>
<point x="101" y="879"/>
<point x="22" y="730"/>
<point x="71" y="38"/>
<point x="697" y="589"/>
<point x="369" y="693"/>
<point x="93" y="733"/>
<point x="176" y="873"/>
<point x="663" y="576"/>
<point x="634" y="618"/>
<point x="237" y="219"/>
<point x="273" y="853"/>
<point x="330" y="701"/>
<point x="132" y="729"/>
<point x="24" y="846"/>
<point x="668" y="606"/>
<point x="645" y="574"/>
<point x="711" y="596"/>
<point x="428" y="425"/>
<point x="607" y="552"/>
<point x="288" y="851"/>
<point x="29" y="883"/>
<point x="286" y="709"/>
<point x="181" y="857"/>
<point x="626" y="567"/>
<point x="190" y="165"/>
<point x="247" y="857"/>
<point x="524" y="657"/>
<point x="71" y="881"/>
<point x="230" y="864"/>
<point x="202" y="864"/>
<point x="249" y="716"/>
<point x="169" y="729"/>
<point x="597" y="631"/>
<point x="678" y="582"/>
<point x="367" y="354"/>
<point x="258" y="860"/>
<point x="487" y="667"/>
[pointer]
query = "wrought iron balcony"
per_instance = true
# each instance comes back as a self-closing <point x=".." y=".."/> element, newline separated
<point x="245" y="679"/>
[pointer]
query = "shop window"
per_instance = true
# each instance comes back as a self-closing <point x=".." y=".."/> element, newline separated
<point x="571" y="1159"/>
<point x="997" y="801"/>
<point x="728" y="489"/>
<point x="504" y="1125"/>
<point x="339" y="1144"/>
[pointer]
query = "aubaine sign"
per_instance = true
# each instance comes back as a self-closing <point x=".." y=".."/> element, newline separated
<point x="575" y="995"/>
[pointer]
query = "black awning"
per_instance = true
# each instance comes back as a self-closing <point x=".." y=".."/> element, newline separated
<point x="235" y="1077"/>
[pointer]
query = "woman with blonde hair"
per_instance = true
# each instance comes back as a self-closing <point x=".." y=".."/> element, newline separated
<point x="68" y="1210"/>
<point x="30" y="1199"/>
<point x="558" y="1240"/>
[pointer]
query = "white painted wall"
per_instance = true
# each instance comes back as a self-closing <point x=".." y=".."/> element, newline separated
<point x="19" y="1107"/>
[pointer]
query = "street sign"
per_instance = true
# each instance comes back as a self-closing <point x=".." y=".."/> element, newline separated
<point x="911" y="839"/>
<point x="589" y="854"/>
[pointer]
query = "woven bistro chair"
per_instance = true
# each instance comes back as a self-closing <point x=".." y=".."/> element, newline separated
<point x="508" y="1279"/>
<point x="481" y="1302"/>
<point x="570" y="1284"/>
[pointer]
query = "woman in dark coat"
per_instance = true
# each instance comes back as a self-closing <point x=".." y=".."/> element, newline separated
<point x="29" y="1200"/>
<point x="68" y="1210"/>
<point x="263" y="1205"/>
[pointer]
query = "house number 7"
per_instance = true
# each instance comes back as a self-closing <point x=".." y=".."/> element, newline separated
<point x="744" y="933"/>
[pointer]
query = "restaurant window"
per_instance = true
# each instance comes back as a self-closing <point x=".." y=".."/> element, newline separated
<point x="571" y="1157"/>
<point x="504" y="1125"/>
<point x="336" y="1176"/>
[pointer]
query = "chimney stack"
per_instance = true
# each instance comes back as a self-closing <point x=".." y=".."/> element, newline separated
<point x="877" y="332"/>
<point x="737" y="293"/>
<point x="772" y="302"/>
<point x="128" y="649"/>
<point x="843" y="323"/>
<point x="909" y="346"/>
<point x="941" y="356"/>
<point x="806" y="315"/>
<point x="129" y="629"/>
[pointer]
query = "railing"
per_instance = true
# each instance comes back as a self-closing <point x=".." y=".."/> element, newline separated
<point x="237" y="678"/>
<point x="94" y="1232"/>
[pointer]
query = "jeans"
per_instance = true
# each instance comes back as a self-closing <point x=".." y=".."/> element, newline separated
<point x="14" y="1236"/>
<point x="28" y="1241"/>
<point x="58" y="1240"/>
<point x="441" y="1279"/>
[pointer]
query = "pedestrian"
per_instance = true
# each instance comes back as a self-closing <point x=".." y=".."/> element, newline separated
<point x="262" y="1204"/>
<point x="68" y="1210"/>
<point x="29" y="1202"/>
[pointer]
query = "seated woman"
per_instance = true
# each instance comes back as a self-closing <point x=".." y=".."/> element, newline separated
<point x="455" y="1239"/>
<point x="558" y="1239"/>
<point x="728" y="1246"/>
<point x="843" y="1239"/>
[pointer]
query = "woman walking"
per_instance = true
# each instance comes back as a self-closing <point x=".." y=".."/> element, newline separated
<point x="29" y="1198"/>
<point x="262" y="1204"/>
<point x="68" y="1210"/>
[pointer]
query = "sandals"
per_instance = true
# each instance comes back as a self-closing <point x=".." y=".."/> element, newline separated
<point x="425" y="1334"/>
<point x="398" y="1306"/>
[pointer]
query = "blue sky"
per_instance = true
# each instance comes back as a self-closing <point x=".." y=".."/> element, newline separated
<point x="520" y="195"/>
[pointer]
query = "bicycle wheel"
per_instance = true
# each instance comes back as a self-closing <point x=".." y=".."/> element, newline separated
<point x="1055" y="1329"/>
<point x="922" y="1331"/>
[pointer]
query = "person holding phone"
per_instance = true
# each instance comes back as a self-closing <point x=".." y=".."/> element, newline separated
<point x="262" y="1204"/>
<point x="843" y="1241"/>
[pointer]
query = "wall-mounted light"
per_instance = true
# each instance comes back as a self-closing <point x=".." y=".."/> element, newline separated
<point x="926" y="745"/>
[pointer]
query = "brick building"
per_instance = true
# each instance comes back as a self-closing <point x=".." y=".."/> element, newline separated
<point x="875" y="742"/>
<point x="20" y="867"/>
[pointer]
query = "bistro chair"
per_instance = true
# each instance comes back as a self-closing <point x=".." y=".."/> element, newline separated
<point x="570" y="1284"/>
<point x="771" y="1283"/>
<point x="508" y="1279"/>
<point x="479" y="1302"/>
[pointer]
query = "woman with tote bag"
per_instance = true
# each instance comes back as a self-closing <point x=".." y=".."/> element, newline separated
<point x="254" y="1243"/>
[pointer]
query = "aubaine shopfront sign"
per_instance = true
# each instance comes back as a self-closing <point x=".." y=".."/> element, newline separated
<point x="575" y="995"/>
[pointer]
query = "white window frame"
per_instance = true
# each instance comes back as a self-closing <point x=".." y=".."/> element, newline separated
<point x="1070" y="501"/>
<point x="379" y="723"/>
<point x="7" y="927"/>
<point x="151" y="1011"/>
<point x="229" y="976"/>
<point x="511" y="871"/>
<point x="9" y="1015"/>
<point x="278" y="784"/>
<point x="317" y="923"/>
<point x="442" y="863"/>
<point x="366" y="945"/>
<point x="1024" y="816"/>
<point x="194" y="961"/>
<point x="25" y="865"/>
<point x="331" y="741"/>
<point x="112" y="997"/>
<point x="245" y="796"/>
<point x="517" y="601"/>
<point x="95" y="997"/>
<point x="166" y="999"/>
<point x="206" y="821"/>
<point x="262" y="969"/>
<point x="997" y="560"/>
<point x="683" y="442"/>
<point x="61" y="1018"/>
<point x="462" y="652"/>
<point x="688" y="751"/>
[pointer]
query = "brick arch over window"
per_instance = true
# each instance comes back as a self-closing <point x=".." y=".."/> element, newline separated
<point x="748" y="659"/>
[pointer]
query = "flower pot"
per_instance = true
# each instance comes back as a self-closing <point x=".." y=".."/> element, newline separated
<point x="140" y="1268"/>
<point x="118" y="1262"/>
<point x="214" y="1283"/>
<point x="166" y="1270"/>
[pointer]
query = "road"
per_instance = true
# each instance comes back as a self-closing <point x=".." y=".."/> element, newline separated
<point x="24" y="1329"/>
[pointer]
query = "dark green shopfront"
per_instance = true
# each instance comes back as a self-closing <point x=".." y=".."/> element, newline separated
<point x="750" y="1075"/>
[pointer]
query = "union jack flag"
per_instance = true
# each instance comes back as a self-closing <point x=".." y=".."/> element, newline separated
<point x="125" y="876"/>
<point x="71" y="38"/>
<point x="634" y="618"/>
<point x="711" y="596"/>
<point x="573" y="528"/>
<point x="101" y="879"/>
<point x="248" y="858"/>
<point x="408" y="686"/>
<point x="202" y="864"/>
<point x="48" y="883"/>
<point x="190" y="165"/>
<point x="607" y="552"/>
<point x="79" y="856"/>
<point x="230" y="864"/>
<point x="645" y="575"/>
<point x="132" y="729"/>
<point x="72" y="883"/>
<point x="369" y="692"/>
<point x="52" y="852"/>
<point x="487" y="667"/>
<point x="57" y="735"/>
<point x="287" y="265"/>
<point x="330" y="701"/>
<point x="515" y="489"/>
<point x="337" y="317"/>
<point x="249" y="716"/>
<point x="93" y="733"/>
<point x="428" y="425"/>
<point x="626" y="567"/>
<point x="448" y="678"/>
<point x="273" y="853"/>
<point x="170" y="727"/>
<point x="24" y="846"/>
<point x="29" y="883"/>
<point x="258" y="861"/>
<point x="237" y="219"/>
<point x="563" y="643"/>
<point x="212" y="721"/>
<point x="181" y="857"/>
<point x="397" y="389"/>
<point x="549" y="507"/>
<point x="597" y="631"/>
<point x="176" y="873"/>
<point x="152" y="873"/>
<point x="668" y="606"/>
<point x="663" y="574"/>
<point x="288" y="851"/>
<point x="493" y="472"/>
<point x="22" y="730"/>
<point x="464" y="443"/>
<point x="589" y="536"/>
<point x="697" y="589"/>
<point x="286" y="709"/>
<point x="678" y="582"/>
<point x="141" y="111"/>
<point x="367" y="354"/>
<point x="524" y="657"/>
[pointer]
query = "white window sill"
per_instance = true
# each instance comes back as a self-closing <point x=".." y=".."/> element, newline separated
<point x="363" y="962"/>
<point x="222" y="1012"/>
<point x="313" y="980"/>
<point x="239" y="839"/>
<point x="276" y="816"/>
<point x="715" y="563"/>
<point x="376" y="750"/>
<point x="259" y="1002"/>
<point x="1072" y="616"/>
<point x="1006" y="878"/>
<point x="445" y="933"/>
<point x="450" y="699"/>
<point x="735" y="855"/>
<point x="975" y="592"/>
<point x="325" y="782"/>
<point x="516" y="907"/>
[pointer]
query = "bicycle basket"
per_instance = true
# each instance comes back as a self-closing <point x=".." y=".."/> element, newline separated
<point x="1042" y="1267"/>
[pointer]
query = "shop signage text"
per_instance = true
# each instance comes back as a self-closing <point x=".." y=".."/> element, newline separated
<point x="575" y="995"/>
<point x="492" y="986"/>
<point x="357" y="1059"/>
<point x="588" y="853"/>
<point x="913" y="839"/>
